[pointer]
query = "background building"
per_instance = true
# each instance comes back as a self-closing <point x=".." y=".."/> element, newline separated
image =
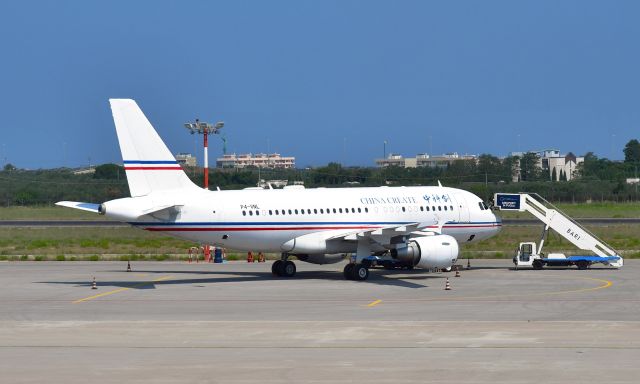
<point x="186" y="159"/>
<point x="553" y="164"/>
<point x="259" y="160"/>
<point x="423" y="160"/>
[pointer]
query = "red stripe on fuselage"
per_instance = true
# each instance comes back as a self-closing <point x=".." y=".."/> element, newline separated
<point x="249" y="229"/>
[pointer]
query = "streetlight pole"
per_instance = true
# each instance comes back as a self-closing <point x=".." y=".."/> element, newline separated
<point x="384" y="152"/>
<point x="205" y="129"/>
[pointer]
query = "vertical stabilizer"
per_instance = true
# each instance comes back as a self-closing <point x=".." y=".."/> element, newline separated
<point x="149" y="164"/>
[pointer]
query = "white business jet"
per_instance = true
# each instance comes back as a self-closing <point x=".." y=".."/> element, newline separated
<point x="400" y="226"/>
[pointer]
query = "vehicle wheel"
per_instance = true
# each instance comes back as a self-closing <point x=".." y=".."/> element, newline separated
<point x="360" y="272"/>
<point x="348" y="271"/>
<point x="288" y="269"/>
<point x="275" y="267"/>
<point x="537" y="264"/>
<point x="582" y="264"/>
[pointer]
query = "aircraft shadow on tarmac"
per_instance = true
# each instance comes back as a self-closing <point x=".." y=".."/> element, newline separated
<point x="380" y="277"/>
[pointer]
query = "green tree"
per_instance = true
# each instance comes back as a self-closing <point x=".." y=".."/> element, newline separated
<point x="489" y="166"/>
<point x="9" y="167"/>
<point x="109" y="171"/>
<point x="529" y="169"/>
<point x="509" y="168"/>
<point x="632" y="152"/>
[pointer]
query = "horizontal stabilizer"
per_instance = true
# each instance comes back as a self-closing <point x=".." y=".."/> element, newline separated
<point x="90" y="207"/>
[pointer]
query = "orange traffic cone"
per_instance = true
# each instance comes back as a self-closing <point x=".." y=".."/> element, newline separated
<point x="468" y="263"/>
<point x="447" y="286"/>
<point x="260" y="257"/>
<point x="94" y="285"/>
<point x="457" y="272"/>
<point x="249" y="257"/>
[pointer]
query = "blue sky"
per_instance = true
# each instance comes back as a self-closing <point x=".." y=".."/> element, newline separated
<point x="311" y="78"/>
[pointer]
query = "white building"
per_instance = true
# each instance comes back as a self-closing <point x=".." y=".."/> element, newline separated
<point x="550" y="160"/>
<point x="423" y="160"/>
<point x="186" y="159"/>
<point x="259" y="160"/>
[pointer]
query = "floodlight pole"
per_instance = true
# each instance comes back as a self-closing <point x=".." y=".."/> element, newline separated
<point x="205" y="134"/>
<point x="205" y="129"/>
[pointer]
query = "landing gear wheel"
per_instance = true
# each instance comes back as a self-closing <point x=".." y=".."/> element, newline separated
<point x="275" y="267"/>
<point x="360" y="272"/>
<point x="348" y="271"/>
<point x="582" y="264"/>
<point x="288" y="269"/>
<point x="537" y="264"/>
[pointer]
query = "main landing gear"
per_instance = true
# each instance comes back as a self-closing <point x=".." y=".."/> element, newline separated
<point x="356" y="271"/>
<point x="283" y="267"/>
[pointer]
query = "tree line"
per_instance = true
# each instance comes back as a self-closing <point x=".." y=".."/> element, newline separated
<point x="594" y="179"/>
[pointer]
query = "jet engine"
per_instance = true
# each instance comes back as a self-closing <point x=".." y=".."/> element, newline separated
<point x="439" y="251"/>
<point x="322" y="258"/>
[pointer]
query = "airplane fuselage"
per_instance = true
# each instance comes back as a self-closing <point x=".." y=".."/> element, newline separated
<point x="264" y="220"/>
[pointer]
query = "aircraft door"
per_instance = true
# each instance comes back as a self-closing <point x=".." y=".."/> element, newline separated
<point x="463" y="208"/>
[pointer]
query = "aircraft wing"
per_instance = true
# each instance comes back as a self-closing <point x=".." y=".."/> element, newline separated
<point x="383" y="235"/>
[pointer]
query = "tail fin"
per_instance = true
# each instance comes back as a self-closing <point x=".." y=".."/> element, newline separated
<point x="149" y="164"/>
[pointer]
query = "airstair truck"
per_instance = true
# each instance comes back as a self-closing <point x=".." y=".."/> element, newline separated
<point x="530" y="254"/>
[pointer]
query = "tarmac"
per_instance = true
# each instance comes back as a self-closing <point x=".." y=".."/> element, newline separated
<point x="168" y="322"/>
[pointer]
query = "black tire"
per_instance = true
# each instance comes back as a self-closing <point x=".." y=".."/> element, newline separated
<point x="348" y="271"/>
<point x="275" y="267"/>
<point x="288" y="269"/>
<point x="360" y="272"/>
<point x="537" y="264"/>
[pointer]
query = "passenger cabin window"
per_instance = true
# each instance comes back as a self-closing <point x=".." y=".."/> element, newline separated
<point x="244" y="213"/>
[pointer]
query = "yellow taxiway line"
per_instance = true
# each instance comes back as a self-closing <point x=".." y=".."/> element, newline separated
<point x="374" y="303"/>
<point x="120" y="290"/>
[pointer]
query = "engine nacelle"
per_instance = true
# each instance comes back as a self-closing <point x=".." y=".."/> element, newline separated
<point x="439" y="251"/>
<point x="322" y="258"/>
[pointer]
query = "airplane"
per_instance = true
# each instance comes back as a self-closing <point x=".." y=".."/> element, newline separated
<point x="420" y="226"/>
